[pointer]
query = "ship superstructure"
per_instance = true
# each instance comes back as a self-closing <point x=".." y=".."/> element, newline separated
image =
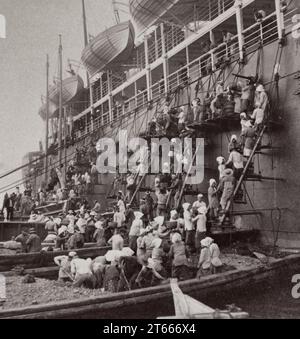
<point x="183" y="48"/>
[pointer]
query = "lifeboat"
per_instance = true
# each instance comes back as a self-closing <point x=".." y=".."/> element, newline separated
<point x="147" y="13"/>
<point x="109" y="49"/>
<point x="71" y="88"/>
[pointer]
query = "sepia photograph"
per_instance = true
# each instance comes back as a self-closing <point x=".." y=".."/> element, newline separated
<point x="149" y="162"/>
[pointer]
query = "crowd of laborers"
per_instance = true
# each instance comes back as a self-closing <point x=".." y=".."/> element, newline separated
<point x="157" y="248"/>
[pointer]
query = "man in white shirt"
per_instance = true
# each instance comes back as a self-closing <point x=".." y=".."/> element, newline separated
<point x="119" y="217"/>
<point x="199" y="203"/>
<point x="189" y="228"/>
<point x="81" y="271"/>
<point x="237" y="159"/>
<point x="64" y="263"/>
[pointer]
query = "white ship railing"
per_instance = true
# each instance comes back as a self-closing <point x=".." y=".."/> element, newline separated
<point x="266" y="32"/>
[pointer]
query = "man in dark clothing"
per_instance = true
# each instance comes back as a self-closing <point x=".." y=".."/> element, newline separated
<point x="33" y="243"/>
<point x="9" y="204"/>
<point x="22" y="239"/>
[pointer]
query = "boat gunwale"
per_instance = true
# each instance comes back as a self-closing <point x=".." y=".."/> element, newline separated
<point x="164" y="291"/>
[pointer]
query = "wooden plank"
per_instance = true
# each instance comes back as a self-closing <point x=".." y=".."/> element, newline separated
<point x="7" y="262"/>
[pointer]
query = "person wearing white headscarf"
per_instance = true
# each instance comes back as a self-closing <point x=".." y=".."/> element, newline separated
<point x="135" y="230"/>
<point x="233" y="145"/>
<point x="201" y="220"/>
<point x="98" y="236"/>
<point x="261" y="104"/>
<point x="189" y="227"/>
<point x="199" y="203"/>
<point x="221" y="167"/>
<point x="204" y="264"/>
<point x="216" y="263"/>
<point x="226" y="186"/>
<point x="213" y="200"/>
<point x="178" y="255"/>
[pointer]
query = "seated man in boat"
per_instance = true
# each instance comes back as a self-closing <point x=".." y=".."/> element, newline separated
<point x="33" y="243"/>
<point x="82" y="274"/>
<point x="90" y="227"/>
<point x="204" y="264"/>
<point x="98" y="236"/>
<point x="216" y="263"/>
<point x="62" y="238"/>
<point x="76" y="239"/>
<point x="64" y="264"/>
<point x="22" y="239"/>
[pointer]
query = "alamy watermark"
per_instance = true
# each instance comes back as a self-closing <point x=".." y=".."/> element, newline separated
<point x="138" y="155"/>
<point x="296" y="288"/>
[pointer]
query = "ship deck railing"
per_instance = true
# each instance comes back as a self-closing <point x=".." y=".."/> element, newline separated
<point x="265" y="32"/>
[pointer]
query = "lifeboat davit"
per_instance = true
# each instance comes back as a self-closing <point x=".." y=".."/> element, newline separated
<point x="109" y="49"/>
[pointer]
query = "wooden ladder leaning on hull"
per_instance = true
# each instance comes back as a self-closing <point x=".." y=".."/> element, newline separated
<point x="244" y="174"/>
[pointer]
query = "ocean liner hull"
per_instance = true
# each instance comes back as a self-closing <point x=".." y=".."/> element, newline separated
<point x="109" y="49"/>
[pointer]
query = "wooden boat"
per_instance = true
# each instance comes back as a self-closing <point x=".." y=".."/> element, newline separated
<point x="43" y="259"/>
<point x="13" y="228"/>
<point x="71" y="88"/>
<point x="128" y="303"/>
<point x="109" y="49"/>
